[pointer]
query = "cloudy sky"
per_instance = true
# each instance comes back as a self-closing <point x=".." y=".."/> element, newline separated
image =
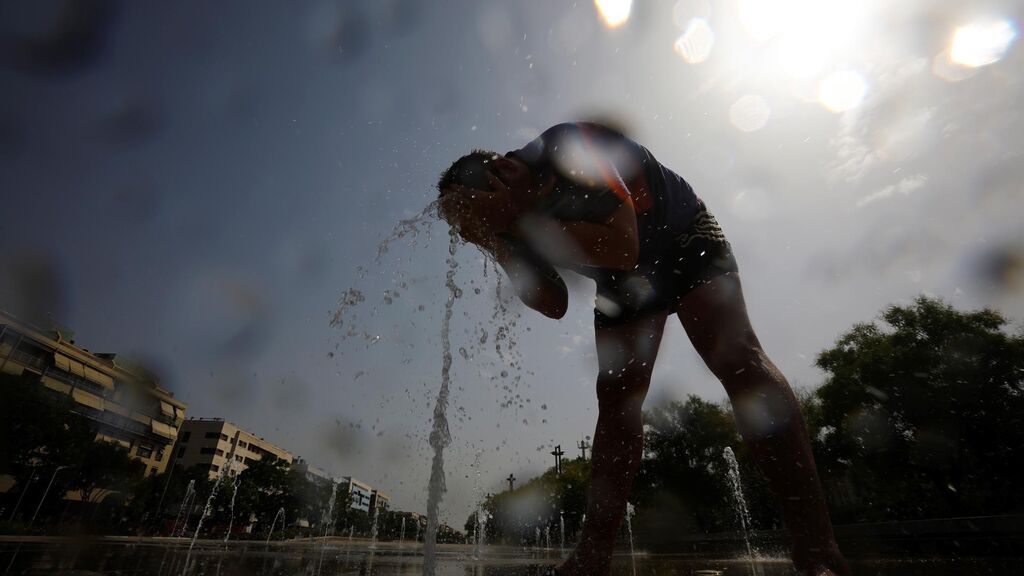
<point x="197" y="184"/>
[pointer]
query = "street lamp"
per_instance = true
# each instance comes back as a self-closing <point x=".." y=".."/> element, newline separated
<point x="45" y="492"/>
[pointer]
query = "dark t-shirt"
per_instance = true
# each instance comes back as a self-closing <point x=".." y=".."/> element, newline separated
<point x="596" y="169"/>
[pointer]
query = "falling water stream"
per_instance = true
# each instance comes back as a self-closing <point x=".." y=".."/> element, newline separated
<point x="440" y="437"/>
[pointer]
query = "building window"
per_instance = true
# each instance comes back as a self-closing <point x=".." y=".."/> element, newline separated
<point x="223" y="436"/>
<point x="211" y="435"/>
<point x="154" y="471"/>
<point x="160" y="454"/>
<point x="144" y="451"/>
<point x="220" y="452"/>
<point x="231" y="472"/>
<point x="238" y="458"/>
<point x="207" y="450"/>
<point x="242" y="444"/>
<point x="185" y="436"/>
<point x="181" y="452"/>
<point x="214" y="468"/>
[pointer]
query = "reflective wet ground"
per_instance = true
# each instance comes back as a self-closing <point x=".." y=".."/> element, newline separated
<point x="172" y="558"/>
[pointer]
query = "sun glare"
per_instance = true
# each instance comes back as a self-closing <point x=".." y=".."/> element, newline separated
<point x="764" y="19"/>
<point x="614" y="13"/>
<point x="841" y="91"/>
<point x="981" y="44"/>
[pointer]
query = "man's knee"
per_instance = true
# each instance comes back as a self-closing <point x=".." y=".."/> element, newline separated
<point x="736" y="361"/>
<point x="622" y="391"/>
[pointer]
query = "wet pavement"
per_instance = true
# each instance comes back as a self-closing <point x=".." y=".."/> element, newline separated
<point x="339" y="557"/>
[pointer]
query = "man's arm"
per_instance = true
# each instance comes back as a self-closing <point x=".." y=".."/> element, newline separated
<point x="536" y="282"/>
<point x="614" y="243"/>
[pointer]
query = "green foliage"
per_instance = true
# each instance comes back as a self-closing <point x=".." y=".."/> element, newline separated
<point x="922" y="415"/>
<point x="40" y="430"/>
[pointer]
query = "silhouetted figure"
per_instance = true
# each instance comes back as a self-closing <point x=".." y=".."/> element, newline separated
<point x="586" y="198"/>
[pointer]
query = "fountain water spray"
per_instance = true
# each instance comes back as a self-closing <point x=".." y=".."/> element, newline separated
<point x="373" y="529"/>
<point x="547" y="536"/>
<point x="190" y="494"/>
<point x="742" y="514"/>
<point x="208" y="509"/>
<point x="328" y="524"/>
<point x="630" y="512"/>
<point x="561" y="529"/>
<point x="440" y="437"/>
<point x="231" y="517"/>
<point x="401" y="534"/>
<point x="280" y="513"/>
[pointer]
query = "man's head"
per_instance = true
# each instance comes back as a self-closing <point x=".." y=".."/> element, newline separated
<point x="475" y="171"/>
<point x="472" y="170"/>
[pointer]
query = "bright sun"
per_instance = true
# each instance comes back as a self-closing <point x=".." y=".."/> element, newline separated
<point x="615" y="13"/>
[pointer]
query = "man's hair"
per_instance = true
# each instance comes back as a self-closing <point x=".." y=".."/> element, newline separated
<point x="470" y="171"/>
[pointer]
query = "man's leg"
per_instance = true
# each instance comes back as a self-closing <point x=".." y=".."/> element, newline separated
<point x="767" y="415"/>
<point x="625" y="355"/>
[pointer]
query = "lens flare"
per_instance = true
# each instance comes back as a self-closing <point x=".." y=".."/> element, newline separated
<point x="841" y="91"/>
<point x="614" y="13"/>
<point x="981" y="44"/>
<point x="686" y="10"/>
<point x="694" y="45"/>
<point x="749" y="113"/>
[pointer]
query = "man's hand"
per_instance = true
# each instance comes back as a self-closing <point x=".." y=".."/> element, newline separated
<point x="479" y="215"/>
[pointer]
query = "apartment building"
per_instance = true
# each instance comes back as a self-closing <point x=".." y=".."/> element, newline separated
<point x="211" y="442"/>
<point x="124" y="402"/>
<point x="361" y="492"/>
<point x="380" y="500"/>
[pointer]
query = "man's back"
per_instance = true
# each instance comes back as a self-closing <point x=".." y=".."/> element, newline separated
<point x="597" y="168"/>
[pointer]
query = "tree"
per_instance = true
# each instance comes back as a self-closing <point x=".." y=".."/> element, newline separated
<point x="922" y="415"/>
<point x="40" y="429"/>
<point x="101" y="468"/>
<point x="683" y="481"/>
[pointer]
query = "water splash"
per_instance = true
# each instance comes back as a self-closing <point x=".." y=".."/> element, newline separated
<point x="440" y="437"/>
<point x="742" y="513"/>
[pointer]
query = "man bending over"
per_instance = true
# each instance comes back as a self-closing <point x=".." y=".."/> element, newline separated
<point x="586" y="198"/>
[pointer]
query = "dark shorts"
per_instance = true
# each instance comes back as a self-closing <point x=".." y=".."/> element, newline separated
<point x="693" y="259"/>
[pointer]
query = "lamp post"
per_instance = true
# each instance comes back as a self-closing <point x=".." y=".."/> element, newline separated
<point x="583" y="445"/>
<point x="558" y="453"/>
<point x="45" y="492"/>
